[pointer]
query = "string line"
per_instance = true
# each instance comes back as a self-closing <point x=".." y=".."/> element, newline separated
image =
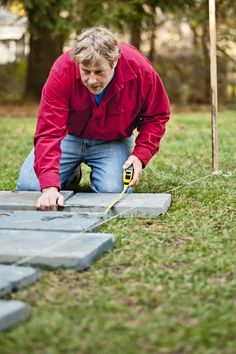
<point x="105" y="220"/>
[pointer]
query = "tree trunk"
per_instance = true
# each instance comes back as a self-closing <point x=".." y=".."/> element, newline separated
<point x="206" y="57"/>
<point x="44" y="49"/>
<point x="43" y="52"/>
<point x="135" y="32"/>
<point x="151" y="54"/>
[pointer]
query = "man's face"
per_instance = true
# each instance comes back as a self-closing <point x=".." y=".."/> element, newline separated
<point x="96" y="75"/>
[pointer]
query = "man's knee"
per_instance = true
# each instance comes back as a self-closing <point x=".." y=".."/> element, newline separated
<point x="27" y="182"/>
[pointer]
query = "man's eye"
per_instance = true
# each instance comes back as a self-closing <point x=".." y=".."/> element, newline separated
<point x="98" y="72"/>
<point x="85" y="71"/>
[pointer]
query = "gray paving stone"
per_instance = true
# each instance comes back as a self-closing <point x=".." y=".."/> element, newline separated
<point x="50" y="220"/>
<point x="12" y="312"/>
<point x="23" y="200"/>
<point x="53" y="250"/>
<point x="136" y="204"/>
<point x="19" y="276"/>
<point x="5" y="287"/>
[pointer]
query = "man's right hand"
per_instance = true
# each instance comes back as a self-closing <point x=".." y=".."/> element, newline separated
<point x="50" y="199"/>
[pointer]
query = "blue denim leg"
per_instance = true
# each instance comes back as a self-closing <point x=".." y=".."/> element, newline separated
<point x="27" y="180"/>
<point x="106" y="159"/>
<point x="70" y="158"/>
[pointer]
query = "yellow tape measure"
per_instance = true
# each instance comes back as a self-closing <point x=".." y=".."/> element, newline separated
<point x="128" y="175"/>
<point x="127" y="178"/>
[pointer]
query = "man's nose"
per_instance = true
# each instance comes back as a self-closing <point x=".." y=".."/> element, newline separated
<point x="92" y="78"/>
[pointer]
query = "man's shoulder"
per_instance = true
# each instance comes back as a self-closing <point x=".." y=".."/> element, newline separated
<point x="64" y="63"/>
<point x="135" y="58"/>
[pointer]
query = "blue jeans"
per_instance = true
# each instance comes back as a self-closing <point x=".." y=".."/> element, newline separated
<point x="104" y="157"/>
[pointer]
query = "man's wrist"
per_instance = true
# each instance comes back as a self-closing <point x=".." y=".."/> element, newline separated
<point x="50" y="188"/>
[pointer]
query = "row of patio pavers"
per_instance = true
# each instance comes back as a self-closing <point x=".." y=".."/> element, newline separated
<point x="57" y="240"/>
<point x="13" y="278"/>
<point x="132" y="204"/>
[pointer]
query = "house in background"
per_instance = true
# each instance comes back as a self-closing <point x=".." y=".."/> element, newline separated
<point x="14" y="38"/>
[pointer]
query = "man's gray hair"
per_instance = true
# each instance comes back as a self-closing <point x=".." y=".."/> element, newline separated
<point x="95" y="43"/>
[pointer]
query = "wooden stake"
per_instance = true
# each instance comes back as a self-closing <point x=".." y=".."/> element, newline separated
<point x="214" y="105"/>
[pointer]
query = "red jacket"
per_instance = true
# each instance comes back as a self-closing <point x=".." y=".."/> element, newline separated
<point x="135" y="98"/>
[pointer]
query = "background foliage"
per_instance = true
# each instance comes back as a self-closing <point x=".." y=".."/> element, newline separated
<point x="52" y="23"/>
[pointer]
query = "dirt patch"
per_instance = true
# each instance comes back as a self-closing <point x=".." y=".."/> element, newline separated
<point x="19" y="110"/>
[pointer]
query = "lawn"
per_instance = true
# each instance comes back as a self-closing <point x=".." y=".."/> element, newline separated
<point x="169" y="285"/>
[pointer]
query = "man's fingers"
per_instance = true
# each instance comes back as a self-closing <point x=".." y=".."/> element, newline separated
<point x="50" y="200"/>
<point x="38" y="204"/>
<point x="44" y="204"/>
<point x="136" y="177"/>
<point x="137" y="166"/>
<point x="60" y="200"/>
<point x="53" y="207"/>
<point x="128" y="162"/>
<point x="135" y="180"/>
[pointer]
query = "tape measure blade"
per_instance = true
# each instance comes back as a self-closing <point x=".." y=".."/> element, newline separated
<point x="116" y="200"/>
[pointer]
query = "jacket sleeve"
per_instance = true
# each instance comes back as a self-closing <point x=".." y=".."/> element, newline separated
<point x="151" y="121"/>
<point x="51" y="129"/>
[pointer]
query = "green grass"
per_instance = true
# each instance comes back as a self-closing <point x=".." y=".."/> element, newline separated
<point x="169" y="285"/>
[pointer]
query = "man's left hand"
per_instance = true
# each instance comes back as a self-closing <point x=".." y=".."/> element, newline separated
<point x="137" y="165"/>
